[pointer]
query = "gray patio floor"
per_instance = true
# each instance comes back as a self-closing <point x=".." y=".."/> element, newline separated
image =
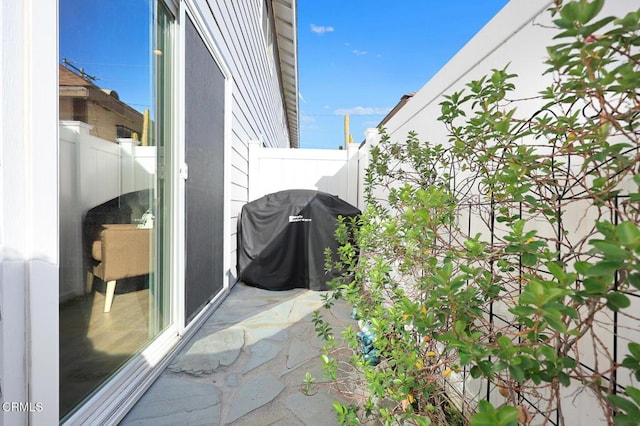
<point x="246" y="366"/>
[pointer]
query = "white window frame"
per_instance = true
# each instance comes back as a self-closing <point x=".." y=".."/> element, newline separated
<point x="119" y="394"/>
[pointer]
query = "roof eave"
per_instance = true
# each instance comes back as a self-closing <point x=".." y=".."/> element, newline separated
<point x="285" y="17"/>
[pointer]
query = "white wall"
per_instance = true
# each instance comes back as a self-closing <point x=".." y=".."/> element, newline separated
<point x="257" y="104"/>
<point x="28" y="210"/>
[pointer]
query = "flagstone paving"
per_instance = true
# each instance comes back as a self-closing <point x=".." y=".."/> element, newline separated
<point x="246" y="366"/>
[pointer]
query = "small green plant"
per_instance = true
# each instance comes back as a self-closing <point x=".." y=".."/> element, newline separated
<point x="308" y="384"/>
<point x="490" y="416"/>
<point x="347" y="415"/>
<point x="503" y="253"/>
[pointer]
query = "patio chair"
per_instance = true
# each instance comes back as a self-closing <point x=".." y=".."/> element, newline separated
<point x="121" y="251"/>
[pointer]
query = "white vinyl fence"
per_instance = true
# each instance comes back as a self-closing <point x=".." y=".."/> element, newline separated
<point x="517" y="36"/>
<point x="276" y="169"/>
<point x="93" y="171"/>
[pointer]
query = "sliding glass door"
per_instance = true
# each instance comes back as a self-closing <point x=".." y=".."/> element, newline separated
<point x="115" y="86"/>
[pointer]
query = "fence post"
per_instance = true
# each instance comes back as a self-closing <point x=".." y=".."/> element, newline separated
<point x="352" y="173"/>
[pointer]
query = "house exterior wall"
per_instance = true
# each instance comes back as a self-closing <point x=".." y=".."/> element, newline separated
<point x="257" y="113"/>
<point x="30" y="193"/>
<point x="517" y="36"/>
<point x="28" y="214"/>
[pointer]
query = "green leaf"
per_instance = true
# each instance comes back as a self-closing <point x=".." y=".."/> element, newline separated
<point x="502" y="126"/>
<point x="568" y="362"/>
<point x="554" y="320"/>
<point x="604" y="268"/>
<point x="610" y="250"/>
<point x="623" y="404"/>
<point x="634" y="280"/>
<point x="522" y="311"/>
<point x="606" y="228"/>
<point x="570" y="12"/>
<point x="564" y="379"/>
<point x="498" y="366"/>
<point x="561" y="23"/>
<point x="631" y="363"/>
<point x="460" y="326"/>
<point x="484" y="419"/>
<point x="507" y="415"/>
<point x="629" y="234"/>
<point x="487" y="415"/>
<point x="557" y="271"/>
<point x="591" y="10"/>
<point x="517" y="373"/>
<point x="475" y="372"/>
<point x="634" y="348"/>
<point x="339" y="408"/>
<point x="587" y="30"/>
<point x="504" y="342"/>
<point x="548" y="352"/>
<point x="633" y="393"/>
<point x="595" y="286"/>
<point x="582" y="267"/>
<point x="624" y="420"/>
<point x="630" y="21"/>
<point x="529" y="259"/>
<point x="617" y="301"/>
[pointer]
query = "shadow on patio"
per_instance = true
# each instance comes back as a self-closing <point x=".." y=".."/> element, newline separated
<point x="246" y="365"/>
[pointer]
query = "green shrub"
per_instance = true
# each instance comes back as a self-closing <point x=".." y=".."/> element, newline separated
<point x="520" y="297"/>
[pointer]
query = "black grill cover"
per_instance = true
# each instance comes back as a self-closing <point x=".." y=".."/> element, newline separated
<point x="282" y="238"/>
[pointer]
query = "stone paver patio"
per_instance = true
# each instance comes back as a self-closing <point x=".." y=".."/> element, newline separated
<point x="246" y="366"/>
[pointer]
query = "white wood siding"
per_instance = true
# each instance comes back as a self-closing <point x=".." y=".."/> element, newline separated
<point x="258" y="111"/>
<point x="29" y="214"/>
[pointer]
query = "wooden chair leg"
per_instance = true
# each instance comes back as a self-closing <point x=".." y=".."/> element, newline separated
<point x="89" y="282"/>
<point x="108" y="300"/>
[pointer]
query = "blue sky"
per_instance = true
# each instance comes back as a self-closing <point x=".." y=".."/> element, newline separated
<point x="108" y="38"/>
<point x="360" y="56"/>
<point x="355" y="57"/>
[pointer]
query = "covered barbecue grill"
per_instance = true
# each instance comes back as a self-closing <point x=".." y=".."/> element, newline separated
<point x="282" y="239"/>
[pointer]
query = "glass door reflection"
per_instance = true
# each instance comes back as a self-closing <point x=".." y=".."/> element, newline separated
<point x="114" y="81"/>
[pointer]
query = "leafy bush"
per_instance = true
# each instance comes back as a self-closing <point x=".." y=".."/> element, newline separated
<point x="509" y="252"/>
